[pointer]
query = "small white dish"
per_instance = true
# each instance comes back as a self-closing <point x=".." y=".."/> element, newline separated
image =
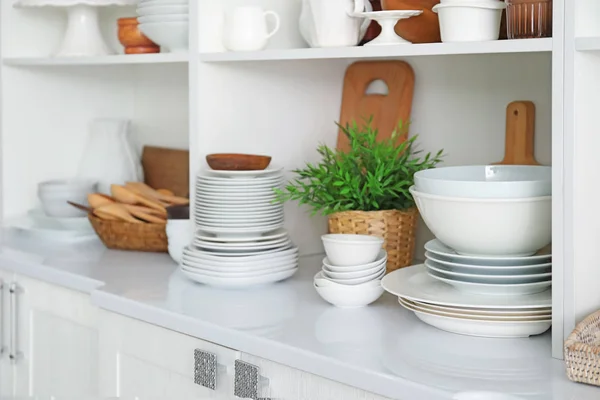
<point x="381" y="259"/>
<point x="239" y="232"/>
<point x="341" y="276"/>
<point x="320" y="280"/>
<point x="55" y="194"/>
<point x="237" y="182"/>
<point x="242" y="245"/>
<point x="162" y="10"/>
<point x="242" y="223"/>
<point x="357" y="281"/>
<point x="233" y="214"/>
<point x="192" y="263"/>
<point x="491" y="279"/>
<point x="488" y="270"/>
<point x="41" y="220"/>
<point x="238" y="198"/>
<point x="149" y="19"/>
<point x="271" y="170"/>
<point x="32" y="231"/>
<point x="236" y="253"/>
<point x="536" y="312"/>
<point x="238" y="283"/>
<point x="173" y="36"/>
<point x="192" y="252"/>
<point x="276" y="234"/>
<point x="344" y="296"/>
<point x="235" y="274"/>
<point x="388" y="20"/>
<point x="351" y="250"/>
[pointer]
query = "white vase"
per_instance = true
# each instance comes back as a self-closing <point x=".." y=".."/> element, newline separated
<point x="109" y="156"/>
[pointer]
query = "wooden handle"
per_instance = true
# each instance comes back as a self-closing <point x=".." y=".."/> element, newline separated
<point x="520" y="134"/>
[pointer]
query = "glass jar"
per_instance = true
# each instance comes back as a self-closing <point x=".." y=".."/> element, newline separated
<point x="528" y="19"/>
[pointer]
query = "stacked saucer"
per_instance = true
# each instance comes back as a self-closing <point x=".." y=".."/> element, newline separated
<point x="240" y="240"/>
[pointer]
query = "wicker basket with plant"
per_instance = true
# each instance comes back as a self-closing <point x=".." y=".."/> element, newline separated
<point x="365" y="190"/>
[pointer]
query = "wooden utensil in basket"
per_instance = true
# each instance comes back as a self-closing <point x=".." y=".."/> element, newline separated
<point x="121" y="235"/>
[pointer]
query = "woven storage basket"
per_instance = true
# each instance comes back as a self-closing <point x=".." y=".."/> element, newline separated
<point x="397" y="228"/>
<point x="582" y="351"/>
<point x="127" y="236"/>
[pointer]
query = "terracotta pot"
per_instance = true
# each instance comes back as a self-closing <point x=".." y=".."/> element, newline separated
<point x="422" y="29"/>
<point x="134" y="41"/>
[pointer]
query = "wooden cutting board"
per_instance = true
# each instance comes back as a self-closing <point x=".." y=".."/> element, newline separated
<point x="520" y="134"/>
<point x="166" y="168"/>
<point x="387" y="110"/>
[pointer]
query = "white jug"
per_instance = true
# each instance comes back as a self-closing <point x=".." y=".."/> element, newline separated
<point x="329" y="23"/>
<point x="246" y="29"/>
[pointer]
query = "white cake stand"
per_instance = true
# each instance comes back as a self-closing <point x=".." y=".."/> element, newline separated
<point x="388" y="21"/>
<point x="82" y="36"/>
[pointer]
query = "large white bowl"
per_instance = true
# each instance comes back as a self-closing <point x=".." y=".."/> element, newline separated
<point x="349" y="296"/>
<point x="171" y="35"/>
<point x="351" y="250"/>
<point x="490" y="227"/>
<point x="486" y="181"/>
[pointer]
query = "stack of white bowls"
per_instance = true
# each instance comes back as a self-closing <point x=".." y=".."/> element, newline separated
<point x="166" y="23"/>
<point x="493" y="229"/>
<point x="469" y="20"/>
<point x="240" y="240"/>
<point x="352" y="271"/>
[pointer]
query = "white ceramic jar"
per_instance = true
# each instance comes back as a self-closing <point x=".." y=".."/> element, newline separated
<point x="470" y="21"/>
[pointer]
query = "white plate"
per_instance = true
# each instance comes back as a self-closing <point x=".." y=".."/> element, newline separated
<point x="276" y="209"/>
<point x="241" y="246"/>
<point x="237" y="283"/>
<point x="471" y="327"/>
<point x="229" y="218"/>
<point x="241" y="223"/>
<point x="239" y="232"/>
<point x="490" y="270"/>
<point x="237" y="201"/>
<point x="232" y="274"/>
<point x="492" y="279"/>
<point x="238" y="188"/>
<point x="278" y="233"/>
<point x="192" y="252"/>
<point x="219" y="207"/>
<point x="228" y="182"/>
<point x="262" y="266"/>
<point x="270" y="171"/>
<point x="436" y="247"/>
<point x="230" y="255"/>
<point x="481" y="317"/>
<point x="236" y="196"/>
<point x="77" y="224"/>
<point x="414" y="284"/>
<point x="535" y="312"/>
<point x="494" y="290"/>
<point x="32" y="231"/>
<point x="210" y="192"/>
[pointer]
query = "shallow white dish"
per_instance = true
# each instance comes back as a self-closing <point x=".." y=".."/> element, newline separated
<point x="242" y="253"/>
<point x="472" y="327"/>
<point x="350" y="296"/>
<point x="469" y="21"/>
<point x="415" y="284"/>
<point x="236" y="213"/>
<point x="237" y="283"/>
<point x="161" y="9"/>
<point x="170" y="35"/>
<point x="190" y="262"/>
<point x="447" y="254"/>
<point x="381" y="258"/>
<point x="489" y="227"/>
<point x="30" y="229"/>
<point x="342" y="276"/>
<point x="235" y="198"/>
<point x="241" y="223"/>
<point x="241" y="245"/>
<point x="278" y="233"/>
<point x="192" y="252"/>
<point x="237" y="232"/>
<point x="236" y="182"/>
<point x="484" y="278"/>
<point x="235" y="274"/>
<point x="76" y="224"/>
<point x="149" y="19"/>
<point x="489" y="270"/>
<point x="540" y="312"/>
<point x="224" y="187"/>
<point x="351" y="250"/>
<point x="377" y="276"/>
<point x="486" y="181"/>
<point x="270" y="171"/>
<point x="259" y="192"/>
<point x="236" y="209"/>
<point x="489" y="289"/>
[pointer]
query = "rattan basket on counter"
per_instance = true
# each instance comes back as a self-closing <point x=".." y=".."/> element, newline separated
<point x="127" y="236"/>
<point x="397" y="228"/>
<point x="582" y="351"/>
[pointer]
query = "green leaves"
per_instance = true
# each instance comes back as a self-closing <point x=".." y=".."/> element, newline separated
<point x="371" y="176"/>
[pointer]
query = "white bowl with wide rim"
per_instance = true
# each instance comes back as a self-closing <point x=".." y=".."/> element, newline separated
<point x="381" y="259"/>
<point x="171" y="35"/>
<point x="348" y="296"/>
<point x="351" y="250"/>
<point x="488" y="227"/>
<point x="486" y="181"/>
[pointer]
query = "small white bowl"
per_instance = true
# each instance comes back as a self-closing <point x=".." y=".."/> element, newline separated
<point x="179" y="234"/>
<point x="381" y="258"/>
<point x="358" y="281"/>
<point x="162" y="10"/>
<point x="468" y="21"/>
<point x="351" y="250"/>
<point x="374" y="271"/>
<point x="54" y="195"/>
<point x="349" y="296"/>
<point x="163" y="18"/>
<point x="172" y="35"/>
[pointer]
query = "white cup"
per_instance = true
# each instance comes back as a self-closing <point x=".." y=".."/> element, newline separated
<point x="246" y="29"/>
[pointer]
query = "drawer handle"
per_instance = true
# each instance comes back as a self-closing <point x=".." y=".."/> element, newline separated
<point x="13" y="352"/>
<point x="248" y="381"/>
<point x="205" y="369"/>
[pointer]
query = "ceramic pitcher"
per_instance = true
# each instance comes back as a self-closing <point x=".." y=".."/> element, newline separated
<point x="329" y="23"/>
<point x="246" y="28"/>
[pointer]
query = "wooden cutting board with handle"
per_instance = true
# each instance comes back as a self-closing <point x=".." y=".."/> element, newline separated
<point x="387" y="109"/>
<point x="520" y="134"/>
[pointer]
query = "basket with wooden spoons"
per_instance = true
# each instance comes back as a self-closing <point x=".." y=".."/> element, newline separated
<point x="133" y="217"/>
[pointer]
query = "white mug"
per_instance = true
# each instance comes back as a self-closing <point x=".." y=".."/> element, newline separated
<point x="246" y="29"/>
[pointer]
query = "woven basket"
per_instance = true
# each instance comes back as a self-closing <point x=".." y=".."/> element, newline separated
<point x="127" y="236"/>
<point x="397" y="228"/>
<point x="582" y="351"/>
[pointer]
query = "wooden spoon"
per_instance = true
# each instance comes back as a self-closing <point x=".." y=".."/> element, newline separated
<point x="97" y="200"/>
<point x="117" y="211"/>
<point x="143" y="214"/>
<point x="145" y="190"/>
<point x="126" y="196"/>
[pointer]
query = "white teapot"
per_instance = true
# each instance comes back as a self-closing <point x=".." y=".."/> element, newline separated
<point x="329" y="23"/>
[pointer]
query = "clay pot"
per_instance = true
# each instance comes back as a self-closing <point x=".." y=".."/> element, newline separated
<point x="422" y="29"/>
<point x="134" y="41"/>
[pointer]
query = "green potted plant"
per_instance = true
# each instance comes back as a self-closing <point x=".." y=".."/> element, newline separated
<point x="365" y="190"/>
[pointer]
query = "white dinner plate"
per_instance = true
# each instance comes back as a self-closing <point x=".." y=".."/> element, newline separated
<point x="482" y="317"/>
<point x="229" y="218"/>
<point x="415" y="284"/>
<point x="260" y="237"/>
<point x="30" y="229"/>
<point x="534" y="312"/>
<point x="490" y="270"/>
<point x="436" y="247"/>
<point x="268" y="191"/>
<point x="240" y="207"/>
<point x="239" y="232"/>
<point x="231" y="274"/>
<point x="228" y="182"/>
<point x="241" y="253"/>
<point x="202" y="255"/>
<point x="471" y="327"/>
<point x="241" y="246"/>
<point x="236" y="197"/>
<point x="237" y="283"/>
<point x="237" y="201"/>
<point x="492" y="279"/>
<point x="218" y="187"/>
<point x="239" y="223"/>
<point x="235" y="212"/>
<point x="270" y="171"/>
<point x="214" y="267"/>
<point x="77" y="224"/>
<point x="489" y="289"/>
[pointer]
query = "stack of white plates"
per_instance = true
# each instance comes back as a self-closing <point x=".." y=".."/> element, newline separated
<point x="165" y="22"/>
<point x="446" y="308"/>
<point x="240" y="240"/>
<point x="509" y="275"/>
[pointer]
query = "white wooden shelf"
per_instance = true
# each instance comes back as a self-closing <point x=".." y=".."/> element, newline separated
<point x="430" y="49"/>
<point x="120" y="59"/>
<point x="587" y="43"/>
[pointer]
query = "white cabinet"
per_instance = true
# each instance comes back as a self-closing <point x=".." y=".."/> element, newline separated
<point x="52" y="340"/>
<point x="141" y="360"/>
<point x="6" y="386"/>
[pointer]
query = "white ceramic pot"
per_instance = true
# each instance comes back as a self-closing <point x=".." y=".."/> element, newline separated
<point x="488" y="227"/>
<point x="468" y="21"/>
<point x="246" y="29"/>
<point x="329" y="23"/>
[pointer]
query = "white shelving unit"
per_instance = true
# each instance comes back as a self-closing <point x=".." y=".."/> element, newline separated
<point x="283" y="101"/>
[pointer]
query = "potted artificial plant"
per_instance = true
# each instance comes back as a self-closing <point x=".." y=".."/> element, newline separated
<point x="365" y="190"/>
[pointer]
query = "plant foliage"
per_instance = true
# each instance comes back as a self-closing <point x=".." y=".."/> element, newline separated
<point x="373" y="175"/>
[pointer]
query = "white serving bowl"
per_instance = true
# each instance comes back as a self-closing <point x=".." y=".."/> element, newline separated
<point x="341" y="276"/>
<point x="488" y="227"/>
<point x="53" y="196"/>
<point x="381" y="259"/>
<point x="171" y="35"/>
<point x="351" y="250"/>
<point x="162" y="10"/>
<point x="486" y="181"/>
<point x="348" y="296"/>
<point x="150" y="19"/>
<point x="468" y="21"/>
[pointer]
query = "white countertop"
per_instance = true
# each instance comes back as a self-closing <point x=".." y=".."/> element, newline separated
<point x="382" y="348"/>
